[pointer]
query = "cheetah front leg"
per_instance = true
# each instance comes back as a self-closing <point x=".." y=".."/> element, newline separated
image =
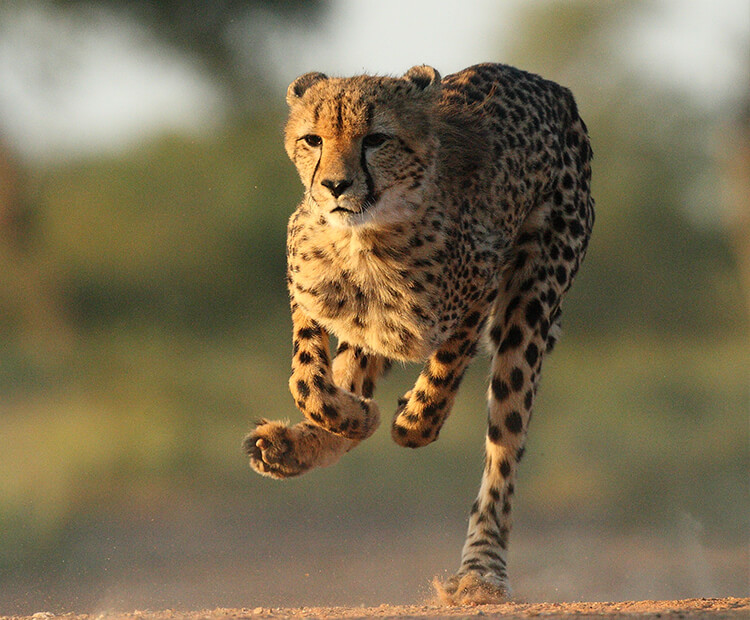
<point x="423" y="409"/>
<point x="282" y="451"/>
<point x="314" y="388"/>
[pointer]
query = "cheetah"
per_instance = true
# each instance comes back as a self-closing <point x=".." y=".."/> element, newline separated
<point x="437" y="211"/>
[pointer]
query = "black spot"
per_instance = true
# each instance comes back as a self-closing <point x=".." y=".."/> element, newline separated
<point x="505" y="468"/>
<point x="472" y="319"/>
<point x="496" y="334"/>
<point x="303" y="388"/>
<point x="532" y="354"/>
<point x="544" y="328"/>
<point x="534" y="311"/>
<point x="576" y="229"/>
<point x="512" y="340"/>
<point x="305" y="358"/>
<point x="526" y="285"/>
<point x="558" y="223"/>
<point x="512" y="305"/>
<point x="528" y="400"/>
<point x="561" y="274"/>
<point x="567" y="181"/>
<point x="307" y="332"/>
<point x="445" y="357"/>
<point x="437" y="381"/>
<point x="430" y="411"/>
<point x="320" y="383"/>
<point x="500" y="389"/>
<point x="330" y="411"/>
<point x="514" y="422"/>
<point x="493" y="432"/>
<point x="400" y="430"/>
<point x="521" y="258"/>
<point x="323" y="354"/>
<point x="421" y="396"/>
<point x="516" y="379"/>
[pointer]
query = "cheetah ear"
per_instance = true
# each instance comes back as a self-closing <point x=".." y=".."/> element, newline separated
<point x="424" y="77"/>
<point x="301" y="84"/>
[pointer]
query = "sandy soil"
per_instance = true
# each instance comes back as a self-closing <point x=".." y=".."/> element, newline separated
<point x="697" y="608"/>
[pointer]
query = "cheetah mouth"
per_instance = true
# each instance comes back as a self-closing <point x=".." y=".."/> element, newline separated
<point x="353" y="208"/>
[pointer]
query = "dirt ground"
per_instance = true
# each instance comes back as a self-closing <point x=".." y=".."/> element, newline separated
<point x="696" y="608"/>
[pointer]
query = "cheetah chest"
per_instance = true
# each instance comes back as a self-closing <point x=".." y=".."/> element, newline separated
<point x="366" y="293"/>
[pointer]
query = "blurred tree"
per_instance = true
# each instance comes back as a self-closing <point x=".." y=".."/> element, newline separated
<point x="28" y="300"/>
<point x="223" y="35"/>
<point x="735" y="161"/>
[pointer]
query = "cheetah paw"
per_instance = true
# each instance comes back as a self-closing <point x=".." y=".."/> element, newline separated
<point x="471" y="589"/>
<point x="272" y="450"/>
<point x="413" y="428"/>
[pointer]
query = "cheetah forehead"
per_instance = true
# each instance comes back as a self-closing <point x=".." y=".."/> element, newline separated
<point x="356" y="106"/>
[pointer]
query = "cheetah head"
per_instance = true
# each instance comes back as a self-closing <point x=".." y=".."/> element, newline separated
<point x="365" y="146"/>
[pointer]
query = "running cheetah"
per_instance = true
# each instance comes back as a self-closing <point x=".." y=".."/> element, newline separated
<point x="435" y="211"/>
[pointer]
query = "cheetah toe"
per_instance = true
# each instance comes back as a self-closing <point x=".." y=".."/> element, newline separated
<point x="271" y="448"/>
<point x="471" y="589"/>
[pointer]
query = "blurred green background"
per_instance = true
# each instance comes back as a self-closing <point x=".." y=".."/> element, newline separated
<point x="144" y="322"/>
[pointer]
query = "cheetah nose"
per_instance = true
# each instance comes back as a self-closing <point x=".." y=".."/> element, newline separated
<point x="336" y="187"/>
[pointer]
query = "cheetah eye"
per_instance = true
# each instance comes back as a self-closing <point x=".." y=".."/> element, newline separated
<point x="374" y="139"/>
<point x="312" y="140"/>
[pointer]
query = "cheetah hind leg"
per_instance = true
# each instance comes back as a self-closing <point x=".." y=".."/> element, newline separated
<point x="281" y="451"/>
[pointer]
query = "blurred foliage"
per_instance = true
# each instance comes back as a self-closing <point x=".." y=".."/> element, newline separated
<point x="223" y="36"/>
<point x="144" y="326"/>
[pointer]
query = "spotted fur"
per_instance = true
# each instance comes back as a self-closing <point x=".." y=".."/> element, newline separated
<point x="436" y="211"/>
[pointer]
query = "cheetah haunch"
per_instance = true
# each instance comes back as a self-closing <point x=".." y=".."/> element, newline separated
<point x="435" y="211"/>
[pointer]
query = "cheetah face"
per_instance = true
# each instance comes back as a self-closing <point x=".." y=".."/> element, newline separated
<point x="363" y="146"/>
